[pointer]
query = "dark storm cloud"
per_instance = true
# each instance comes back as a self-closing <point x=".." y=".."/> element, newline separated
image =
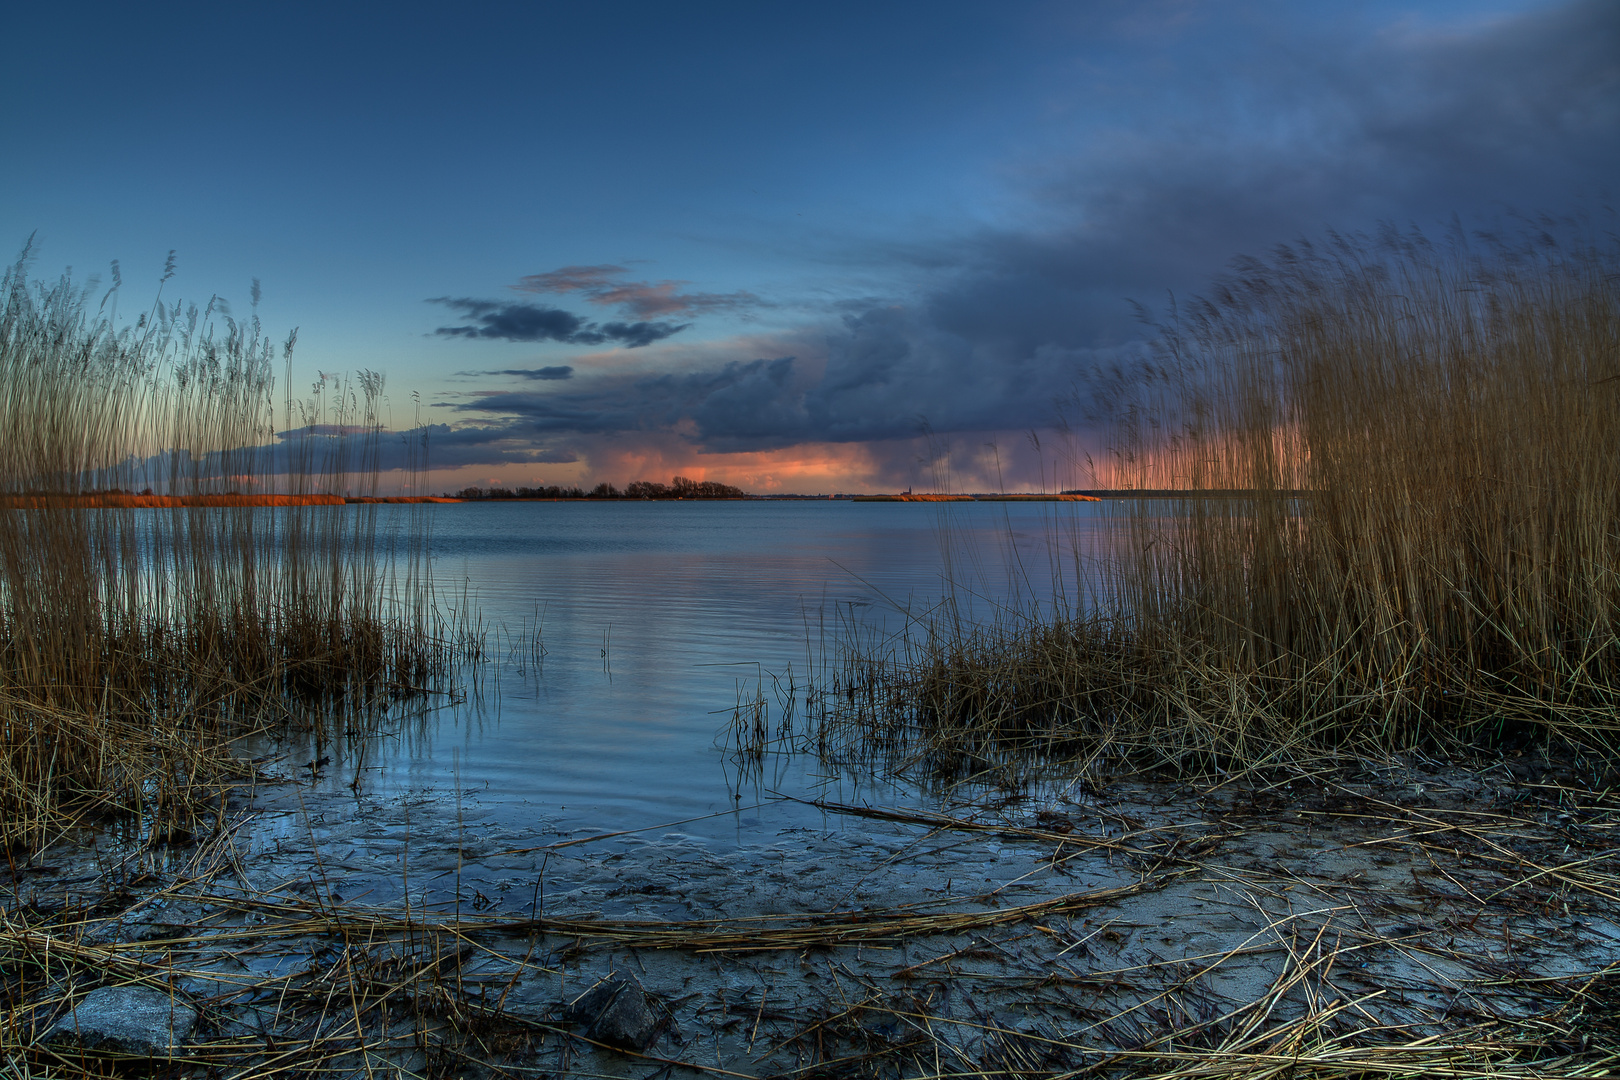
<point x="339" y="449"/>
<point x="888" y="379"/>
<point x="1522" y="115"/>
<point x="1411" y="129"/>
<point x="1281" y="141"/>
<point x="750" y="398"/>
<point x="644" y="299"/>
<point x="544" y="374"/>
<point x="510" y="322"/>
<point x="499" y="444"/>
<point x="529" y="322"/>
<point x="633" y="335"/>
<point x="439" y="446"/>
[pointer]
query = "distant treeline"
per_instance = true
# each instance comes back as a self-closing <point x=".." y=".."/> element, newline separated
<point x="678" y="488"/>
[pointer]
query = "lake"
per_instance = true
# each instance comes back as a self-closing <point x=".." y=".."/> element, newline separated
<point x="657" y="618"/>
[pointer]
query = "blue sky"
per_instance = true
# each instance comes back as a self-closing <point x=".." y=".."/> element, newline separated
<point x="766" y="243"/>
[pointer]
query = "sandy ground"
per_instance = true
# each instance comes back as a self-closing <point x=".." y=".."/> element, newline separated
<point x="1398" y="918"/>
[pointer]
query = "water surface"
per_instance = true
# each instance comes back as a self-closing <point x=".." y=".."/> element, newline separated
<point x="657" y="618"/>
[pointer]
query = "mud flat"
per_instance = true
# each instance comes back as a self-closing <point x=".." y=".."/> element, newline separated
<point x="1404" y="919"/>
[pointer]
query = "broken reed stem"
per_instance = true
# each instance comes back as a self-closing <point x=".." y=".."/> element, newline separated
<point x="136" y="642"/>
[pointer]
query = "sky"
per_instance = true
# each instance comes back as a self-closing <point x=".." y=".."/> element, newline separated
<point x="794" y="247"/>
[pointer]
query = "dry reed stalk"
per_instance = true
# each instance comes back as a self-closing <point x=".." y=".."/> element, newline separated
<point x="136" y="640"/>
<point x="1450" y="578"/>
<point x="298" y="917"/>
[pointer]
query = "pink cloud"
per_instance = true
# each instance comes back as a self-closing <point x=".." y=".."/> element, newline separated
<point x="601" y="284"/>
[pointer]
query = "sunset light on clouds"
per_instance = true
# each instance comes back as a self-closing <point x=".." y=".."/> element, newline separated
<point x="793" y="248"/>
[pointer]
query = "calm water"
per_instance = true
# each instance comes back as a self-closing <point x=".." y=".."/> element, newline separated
<point x="656" y="617"/>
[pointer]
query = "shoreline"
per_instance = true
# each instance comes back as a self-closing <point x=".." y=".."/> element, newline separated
<point x="125" y="500"/>
<point x="122" y="501"/>
<point x="1128" y="925"/>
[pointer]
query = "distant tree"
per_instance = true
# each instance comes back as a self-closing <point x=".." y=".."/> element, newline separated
<point x="682" y="488"/>
<point x="679" y="488"/>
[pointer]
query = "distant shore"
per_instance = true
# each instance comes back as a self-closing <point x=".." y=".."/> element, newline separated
<point x="115" y="499"/>
<point x="908" y="497"/>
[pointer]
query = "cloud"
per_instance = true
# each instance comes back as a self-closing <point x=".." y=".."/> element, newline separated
<point x="587" y="279"/>
<point x="643" y="299"/>
<point x="632" y="335"/>
<point x="440" y="446"/>
<point x="1255" y="138"/>
<point x="496" y="444"/>
<point x="882" y="375"/>
<point x="529" y="322"/>
<point x="346" y="454"/>
<point x="544" y="374"/>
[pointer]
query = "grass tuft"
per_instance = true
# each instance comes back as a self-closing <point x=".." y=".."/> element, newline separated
<point x="1385" y="516"/>
<point x="149" y="613"/>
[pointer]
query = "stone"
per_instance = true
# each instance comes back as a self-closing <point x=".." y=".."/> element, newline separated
<point x="149" y="922"/>
<point x="135" y="1021"/>
<point x="619" y="1013"/>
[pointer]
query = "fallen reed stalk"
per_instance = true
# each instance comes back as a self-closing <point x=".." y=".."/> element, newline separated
<point x="980" y="990"/>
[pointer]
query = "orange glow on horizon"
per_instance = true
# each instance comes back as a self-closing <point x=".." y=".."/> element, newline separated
<point x="810" y="469"/>
<point x="814" y="468"/>
<point x="968" y="462"/>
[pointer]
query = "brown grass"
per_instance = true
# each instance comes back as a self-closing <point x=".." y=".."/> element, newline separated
<point x="1452" y="579"/>
<point x="140" y="633"/>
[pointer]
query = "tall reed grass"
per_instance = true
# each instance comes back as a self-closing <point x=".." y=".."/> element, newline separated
<point x="135" y="642"/>
<point x="1451" y="575"/>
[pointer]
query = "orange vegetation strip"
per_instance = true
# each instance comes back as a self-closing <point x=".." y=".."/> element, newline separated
<point x="976" y="498"/>
<point x="101" y="500"/>
<point x="401" y="499"/>
<point x="105" y="499"/>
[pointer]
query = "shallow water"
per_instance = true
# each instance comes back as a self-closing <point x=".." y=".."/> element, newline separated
<point x="656" y="618"/>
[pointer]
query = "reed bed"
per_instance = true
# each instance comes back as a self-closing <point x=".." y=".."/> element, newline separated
<point x="137" y="641"/>
<point x="1380" y="512"/>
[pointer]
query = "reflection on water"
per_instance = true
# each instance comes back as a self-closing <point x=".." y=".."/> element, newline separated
<point x="623" y="635"/>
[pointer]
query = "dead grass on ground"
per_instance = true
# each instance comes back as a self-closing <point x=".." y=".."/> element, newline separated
<point x="296" y="982"/>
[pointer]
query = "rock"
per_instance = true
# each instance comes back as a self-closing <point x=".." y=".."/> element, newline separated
<point x="129" y="1020"/>
<point x="149" y="922"/>
<point x="589" y="1005"/>
<point x="619" y="1013"/>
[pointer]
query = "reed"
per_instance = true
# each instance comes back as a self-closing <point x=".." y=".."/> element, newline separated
<point x="1410" y="537"/>
<point x="136" y="641"/>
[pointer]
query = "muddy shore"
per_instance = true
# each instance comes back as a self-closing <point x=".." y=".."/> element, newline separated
<point x="1402" y="917"/>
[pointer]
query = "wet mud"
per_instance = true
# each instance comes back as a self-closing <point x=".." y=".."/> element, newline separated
<point x="1406" y="917"/>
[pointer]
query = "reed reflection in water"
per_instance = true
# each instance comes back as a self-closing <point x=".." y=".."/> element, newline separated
<point x="622" y="636"/>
